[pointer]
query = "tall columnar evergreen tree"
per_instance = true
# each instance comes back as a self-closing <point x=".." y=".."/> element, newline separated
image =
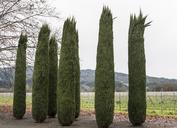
<point x="77" y="76"/>
<point x="104" y="77"/>
<point x="41" y="77"/>
<point x="66" y="79"/>
<point x="53" y="69"/>
<point x="19" y="101"/>
<point x="137" y="70"/>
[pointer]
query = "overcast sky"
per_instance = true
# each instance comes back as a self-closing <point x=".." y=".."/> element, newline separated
<point x="160" y="37"/>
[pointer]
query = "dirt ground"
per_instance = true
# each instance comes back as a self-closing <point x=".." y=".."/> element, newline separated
<point x="86" y="120"/>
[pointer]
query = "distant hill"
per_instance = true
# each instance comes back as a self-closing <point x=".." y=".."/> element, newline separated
<point x="87" y="81"/>
<point x="121" y="82"/>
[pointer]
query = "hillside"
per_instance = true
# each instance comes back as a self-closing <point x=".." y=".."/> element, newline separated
<point x="121" y="80"/>
<point x="87" y="80"/>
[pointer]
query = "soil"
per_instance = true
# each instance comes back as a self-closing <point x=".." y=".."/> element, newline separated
<point x="86" y="120"/>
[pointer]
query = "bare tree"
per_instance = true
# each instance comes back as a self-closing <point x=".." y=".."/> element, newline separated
<point x="18" y="16"/>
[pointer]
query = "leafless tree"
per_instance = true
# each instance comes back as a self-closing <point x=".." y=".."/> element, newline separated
<point x="18" y="16"/>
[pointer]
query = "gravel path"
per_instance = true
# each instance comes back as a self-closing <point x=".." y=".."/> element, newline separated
<point x="86" y="120"/>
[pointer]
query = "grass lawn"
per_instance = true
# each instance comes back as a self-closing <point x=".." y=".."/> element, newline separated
<point x="162" y="105"/>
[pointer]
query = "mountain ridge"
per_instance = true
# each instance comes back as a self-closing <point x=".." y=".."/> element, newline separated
<point x="88" y="77"/>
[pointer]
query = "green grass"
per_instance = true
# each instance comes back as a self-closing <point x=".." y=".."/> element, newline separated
<point x="156" y="105"/>
<point x="165" y="105"/>
<point x="8" y="100"/>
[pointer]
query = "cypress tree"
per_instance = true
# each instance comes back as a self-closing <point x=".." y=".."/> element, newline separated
<point x="137" y="71"/>
<point x="77" y="77"/>
<point x="19" y="100"/>
<point x="104" y="77"/>
<point x="53" y="69"/>
<point x="41" y="77"/>
<point x="66" y="84"/>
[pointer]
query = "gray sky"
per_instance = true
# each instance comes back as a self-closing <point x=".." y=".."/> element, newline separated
<point x="160" y="37"/>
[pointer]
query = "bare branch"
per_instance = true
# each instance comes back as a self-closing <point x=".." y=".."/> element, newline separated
<point x="17" y="16"/>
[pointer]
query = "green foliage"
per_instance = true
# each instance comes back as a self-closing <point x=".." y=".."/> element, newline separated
<point x="77" y="77"/>
<point x="104" y="77"/>
<point x="53" y="69"/>
<point x="19" y="101"/>
<point x="66" y="79"/>
<point x="41" y="77"/>
<point x="137" y="70"/>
